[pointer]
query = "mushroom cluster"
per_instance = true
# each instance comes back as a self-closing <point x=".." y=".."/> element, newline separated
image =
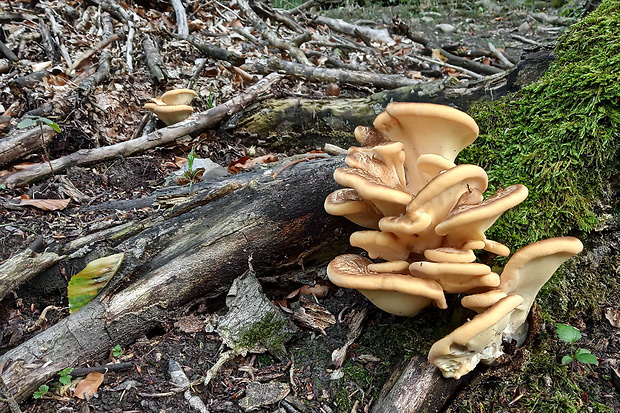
<point x="425" y="217"/>
<point x="173" y="106"/>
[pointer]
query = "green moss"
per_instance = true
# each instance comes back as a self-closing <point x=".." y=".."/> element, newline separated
<point x="269" y="332"/>
<point x="558" y="136"/>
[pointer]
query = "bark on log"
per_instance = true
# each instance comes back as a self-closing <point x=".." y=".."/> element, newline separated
<point x="170" y="261"/>
<point x="23" y="266"/>
<point x="22" y="142"/>
<point x="163" y="136"/>
<point x="420" y="387"/>
<point x="303" y="124"/>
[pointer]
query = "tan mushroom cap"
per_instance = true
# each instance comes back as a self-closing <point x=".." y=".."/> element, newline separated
<point x="388" y="200"/>
<point x="397" y="294"/>
<point x="178" y="97"/>
<point x="432" y="165"/>
<point x="170" y="114"/>
<point x="469" y="222"/>
<point x="380" y="244"/>
<point x="383" y="161"/>
<point x="426" y="128"/>
<point x="525" y="273"/>
<point x="347" y="203"/>
<point x="435" y="201"/>
<point x="456" y="277"/>
<point x="449" y="254"/>
<point x="477" y="340"/>
<point x="394" y="267"/>
<point x="369" y="136"/>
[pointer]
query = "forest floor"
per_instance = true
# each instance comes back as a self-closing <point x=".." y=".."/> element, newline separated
<point x="113" y="112"/>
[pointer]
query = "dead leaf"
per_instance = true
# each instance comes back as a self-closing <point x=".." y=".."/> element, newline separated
<point x="190" y="324"/>
<point x="313" y="315"/>
<point x="436" y="55"/>
<point x="613" y="316"/>
<point x="24" y="165"/>
<point x="246" y="162"/>
<point x="88" y="385"/>
<point x="318" y="290"/>
<point x="46" y="204"/>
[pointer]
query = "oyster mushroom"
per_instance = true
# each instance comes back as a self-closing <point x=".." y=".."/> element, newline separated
<point x="398" y="294"/>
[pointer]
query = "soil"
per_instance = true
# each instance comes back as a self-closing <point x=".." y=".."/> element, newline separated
<point x="146" y="386"/>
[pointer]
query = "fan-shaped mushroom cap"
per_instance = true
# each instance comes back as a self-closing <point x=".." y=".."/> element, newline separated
<point x="449" y="254"/>
<point x="426" y="128"/>
<point x="384" y="161"/>
<point x="346" y="202"/>
<point x="379" y="244"/>
<point x="433" y="203"/>
<point x="397" y="294"/>
<point x="178" y="97"/>
<point x="477" y="340"/>
<point x="394" y="267"/>
<point x="525" y="273"/>
<point x="469" y="222"/>
<point x="432" y="165"/>
<point x="372" y="188"/>
<point x="456" y="277"/>
<point x="170" y="114"/>
<point x="369" y="136"/>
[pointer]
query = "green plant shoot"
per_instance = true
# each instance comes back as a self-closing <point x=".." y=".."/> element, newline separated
<point x="117" y="351"/>
<point x="29" y="121"/>
<point x="570" y="335"/>
<point x="65" y="376"/>
<point x="43" y="389"/>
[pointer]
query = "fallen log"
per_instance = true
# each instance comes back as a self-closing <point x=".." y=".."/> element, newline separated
<point x="195" y="253"/>
<point x="304" y="124"/>
<point x="419" y="387"/>
<point x="21" y="142"/>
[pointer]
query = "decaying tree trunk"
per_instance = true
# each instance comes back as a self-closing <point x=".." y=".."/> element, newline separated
<point x="284" y="124"/>
<point x="419" y="387"/>
<point x="195" y="250"/>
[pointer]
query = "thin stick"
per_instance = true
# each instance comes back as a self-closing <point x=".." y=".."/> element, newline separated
<point x="500" y="56"/>
<point x="179" y="11"/>
<point x="469" y="73"/>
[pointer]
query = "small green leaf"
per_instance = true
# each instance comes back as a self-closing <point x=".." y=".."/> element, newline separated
<point x="66" y="371"/>
<point x="568" y="333"/>
<point x="51" y="124"/>
<point x="26" y="123"/>
<point x="586" y="357"/>
<point x="43" y="389"/>
<point x="567" y="360"/>
<point x="85" y="285"/>
<point x="64" y="380"/>
<point x="117" y="351"/>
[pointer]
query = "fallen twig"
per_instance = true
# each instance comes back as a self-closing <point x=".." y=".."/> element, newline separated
<point x="500" y="56"/>
<point x="269" y="35"/>
<point x="332" y="75"/>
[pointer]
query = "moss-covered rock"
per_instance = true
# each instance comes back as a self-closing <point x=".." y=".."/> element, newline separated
<point x="559" y="136"/>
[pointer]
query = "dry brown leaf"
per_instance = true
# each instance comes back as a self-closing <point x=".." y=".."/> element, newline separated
<point x="190" y="324"/>
<point x="24" y="165"/>
<point x="246" y="162"/>
<point x="318" y="290"/>
<point x="613" y="316"/>
<point x="88" y="385"/>
<point x="46" y="204"/>
<point x="313" y="315"/>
